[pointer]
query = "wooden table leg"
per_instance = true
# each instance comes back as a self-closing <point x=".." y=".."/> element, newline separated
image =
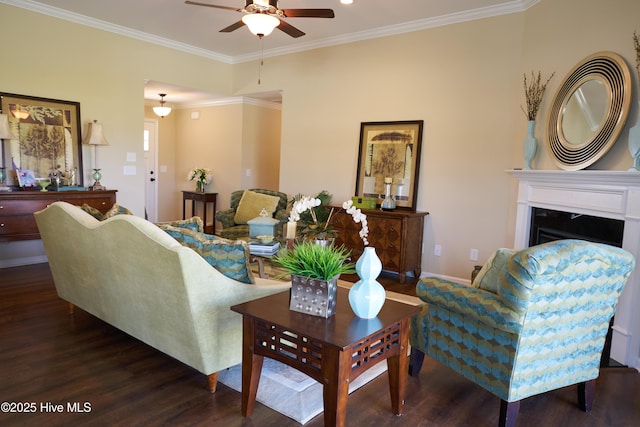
<point x="336" y="367"/>
<point x="251" y="368"/>
<point x="397" y="370"/>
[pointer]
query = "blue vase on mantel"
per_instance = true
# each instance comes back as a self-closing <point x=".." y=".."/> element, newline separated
<point x="367" y="295"/>
<point x="530" y="145"/>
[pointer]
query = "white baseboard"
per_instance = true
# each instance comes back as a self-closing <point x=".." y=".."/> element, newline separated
<point x="16" y="262"/>
<point x="449" y="278"/>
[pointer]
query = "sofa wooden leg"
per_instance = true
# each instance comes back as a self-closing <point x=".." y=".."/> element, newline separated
<point x="212" y="382"/>
<point x="415" y="362"/>
<point x="509" y="413"/>
<point x="586" y="393"/>
<point x="71" y="309"/>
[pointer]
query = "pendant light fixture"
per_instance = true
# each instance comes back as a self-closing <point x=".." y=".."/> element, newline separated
<point x="260" y="24"/>
<point x="162" y="111"/>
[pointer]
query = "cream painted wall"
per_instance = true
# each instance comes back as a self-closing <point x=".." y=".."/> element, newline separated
<point x="105" y="73"/>
<point x="230" y="139"/>
<point x="463" y="80"/>
<point x="261" y="147"/>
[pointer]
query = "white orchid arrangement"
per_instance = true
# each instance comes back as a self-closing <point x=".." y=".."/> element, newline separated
<point x="319" y="227"/>
<point x="358" y="217"/>
<point x="201" y="175"/>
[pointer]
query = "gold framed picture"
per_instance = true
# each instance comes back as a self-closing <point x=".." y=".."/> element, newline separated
<point x="390" y="153"/>
<point x="48" y="136"/>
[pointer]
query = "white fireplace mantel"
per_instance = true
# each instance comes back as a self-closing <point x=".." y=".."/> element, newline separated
<point x="606" y="194"/>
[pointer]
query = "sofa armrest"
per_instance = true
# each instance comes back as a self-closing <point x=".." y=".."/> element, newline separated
<point x="225" y="217"/>
<point x="476" y="304"/>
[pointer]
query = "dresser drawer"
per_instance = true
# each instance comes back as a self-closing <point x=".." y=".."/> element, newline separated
<point x="18" y="224"/>
<point x="22" y="207"/>
<point x="16" y="209"/>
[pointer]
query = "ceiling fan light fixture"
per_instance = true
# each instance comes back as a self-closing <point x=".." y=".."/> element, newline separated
<point x="260" y="24"/>
<point x="346" y="1"/>
<point x="162" y="111"/>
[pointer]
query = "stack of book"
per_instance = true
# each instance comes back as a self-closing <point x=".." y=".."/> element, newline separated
<point x="258" y="248"/>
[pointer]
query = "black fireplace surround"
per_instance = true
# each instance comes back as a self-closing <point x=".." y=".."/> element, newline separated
<point x="548" y="225"/>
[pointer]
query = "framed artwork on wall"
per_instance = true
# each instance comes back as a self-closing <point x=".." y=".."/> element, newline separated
<point x="48" y="136"/>
<point x="390" y="152"/>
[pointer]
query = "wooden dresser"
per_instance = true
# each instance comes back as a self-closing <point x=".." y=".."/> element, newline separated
<point x="17" y="207"/>
<point x="396" y="235"/>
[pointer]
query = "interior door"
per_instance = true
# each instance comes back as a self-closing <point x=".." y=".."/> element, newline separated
<point x="150" y="147"/>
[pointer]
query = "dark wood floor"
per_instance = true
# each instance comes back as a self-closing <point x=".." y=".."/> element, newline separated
<point x="47" y="356"/>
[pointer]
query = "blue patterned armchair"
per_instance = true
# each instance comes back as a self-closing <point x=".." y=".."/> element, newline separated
<point x="542" y="328"/>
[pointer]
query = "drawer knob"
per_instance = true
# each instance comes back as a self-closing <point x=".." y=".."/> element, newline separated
<point x="2" y="224"/>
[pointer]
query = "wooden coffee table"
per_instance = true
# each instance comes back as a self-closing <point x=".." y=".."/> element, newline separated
<point x="332" y="351"/>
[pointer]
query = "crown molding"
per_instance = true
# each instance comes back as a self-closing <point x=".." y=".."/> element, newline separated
<point x="117" y="29"/>
<point x="514" y="6"/>
<point x="218" y="103"/>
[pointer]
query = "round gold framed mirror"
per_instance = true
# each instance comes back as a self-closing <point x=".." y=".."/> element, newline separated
<point x="589" y="110"/>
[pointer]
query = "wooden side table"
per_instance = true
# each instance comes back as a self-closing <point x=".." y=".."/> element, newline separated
<point x="205" y="199"/>
<point x="332" y="351"/>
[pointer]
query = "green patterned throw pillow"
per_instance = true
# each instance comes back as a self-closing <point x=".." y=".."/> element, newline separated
<point x="487" y="277"/>
<point x="92" y="211"/>
<point x="116" y="209"/>
<point x="194" y="223"/>
<point x="229" y="257"/>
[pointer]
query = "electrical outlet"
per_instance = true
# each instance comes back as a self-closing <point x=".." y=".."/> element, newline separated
<point x="437" y="250"/>
<point x="473" y="255"/>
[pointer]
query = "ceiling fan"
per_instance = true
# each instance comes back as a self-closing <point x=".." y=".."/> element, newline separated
<point x="262" y="16"/>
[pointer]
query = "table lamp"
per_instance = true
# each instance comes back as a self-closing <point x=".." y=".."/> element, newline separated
<point x="95" y="137"/>
<point x="5" y="133"/>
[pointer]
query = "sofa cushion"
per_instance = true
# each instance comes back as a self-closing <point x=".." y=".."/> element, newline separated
<point x="252" y="203"/>
<point x="194" y="223"/>
<point x="487" y="277"/>
<point x="116" y="209"/>
<point x="92" y="211"/>
<point x="229" y="257"/>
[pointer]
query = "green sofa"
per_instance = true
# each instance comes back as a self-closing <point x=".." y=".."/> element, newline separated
<point x="134" y="276"/>
<point x="233" y="230"/>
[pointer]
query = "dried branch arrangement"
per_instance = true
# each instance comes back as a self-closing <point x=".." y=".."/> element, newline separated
<point x="636" y="44"/>
<point x="533" y="92"/>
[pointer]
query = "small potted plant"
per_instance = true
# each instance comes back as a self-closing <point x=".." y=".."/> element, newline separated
<point x="314" y="270"/>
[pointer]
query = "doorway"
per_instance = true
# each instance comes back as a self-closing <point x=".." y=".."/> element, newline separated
<point x="150" y="148"/>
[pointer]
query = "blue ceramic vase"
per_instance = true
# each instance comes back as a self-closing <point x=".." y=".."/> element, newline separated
<point x="367" y="295"/>
<point x="530" y="145"/>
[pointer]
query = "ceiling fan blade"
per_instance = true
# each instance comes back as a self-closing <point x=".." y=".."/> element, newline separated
<point x="290" y="29"/>
<point x="308" y="13"/>
<point x="233" y="27"/>
<point x="195" y="3"/>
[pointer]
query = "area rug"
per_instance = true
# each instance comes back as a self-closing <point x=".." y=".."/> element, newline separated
<point x="289" y="391"/>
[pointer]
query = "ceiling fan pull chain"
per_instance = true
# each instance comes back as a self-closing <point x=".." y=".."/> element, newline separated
<point x="261" y="59"/>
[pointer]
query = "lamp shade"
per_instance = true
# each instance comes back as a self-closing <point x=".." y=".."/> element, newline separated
<point x="95" y="135"/>
<point x="260" y="24"/>
<point x="162" y="111"/>
<point x="5" y="131"/>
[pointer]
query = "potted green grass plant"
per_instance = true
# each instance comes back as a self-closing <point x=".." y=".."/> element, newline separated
<point x="314" y="270"/>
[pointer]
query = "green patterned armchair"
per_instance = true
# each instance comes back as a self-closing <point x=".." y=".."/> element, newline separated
<point x="542" y="328"/>
<point x="237" y="230"/>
